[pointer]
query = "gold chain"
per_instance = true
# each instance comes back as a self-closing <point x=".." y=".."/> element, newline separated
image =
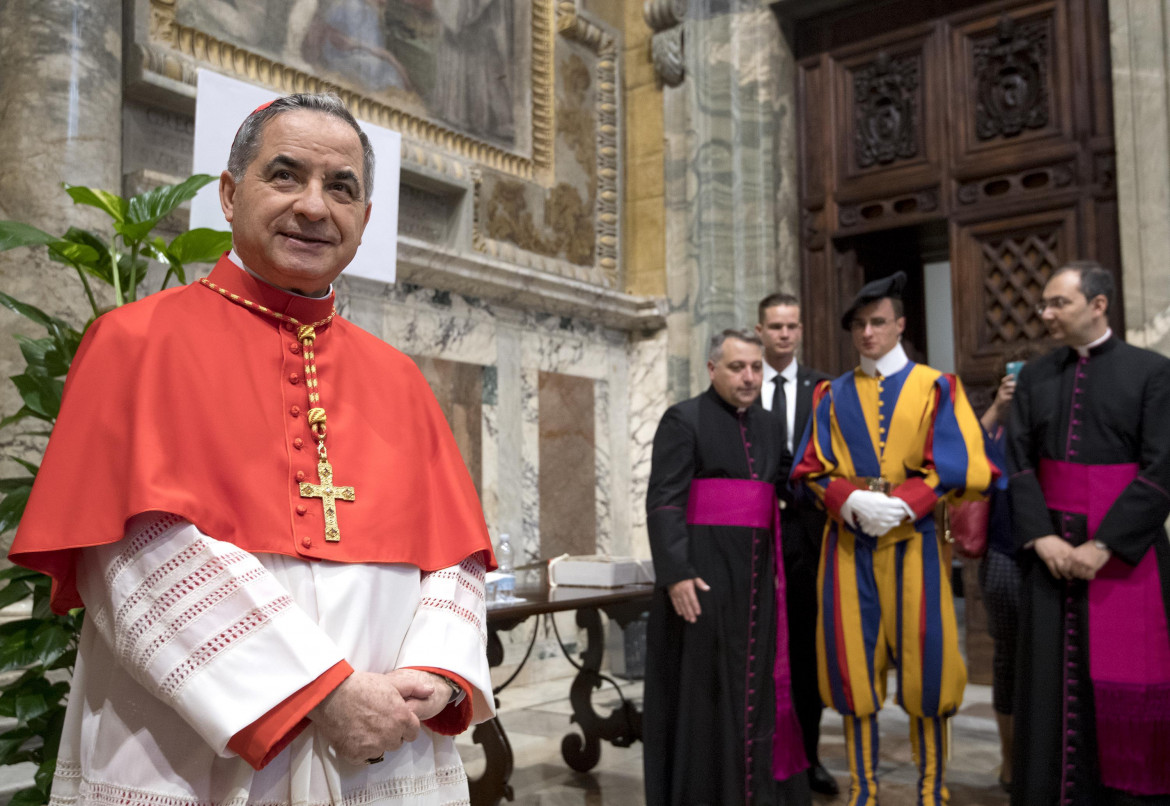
<point x="306" y="335"/>
<point x="255" y="306"/>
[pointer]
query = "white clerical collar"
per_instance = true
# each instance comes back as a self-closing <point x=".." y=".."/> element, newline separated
<point x="887" y="365"/>
<point x="234" y="258"/>
<point x="1083" y="352"/>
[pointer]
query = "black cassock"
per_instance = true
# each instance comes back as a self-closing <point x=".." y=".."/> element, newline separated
<point x="1120" y="415"/>
<point x="701" y="718"/>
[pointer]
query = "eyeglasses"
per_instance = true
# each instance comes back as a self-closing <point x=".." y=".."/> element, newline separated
<point x="1055" y="303"/>
<point x="876" y="323"/>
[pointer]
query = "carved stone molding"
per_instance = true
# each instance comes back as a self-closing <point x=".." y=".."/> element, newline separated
<point x="175" y="51"/>
<point x="666" y="50"/>
<point x="1011" y="76"/>
<point x="666" y="46"/>
<point x="663" y="14"/>
<point x="1019" y="183"/>
<point x="853" y="215"/>
<point x="885" y="109"/>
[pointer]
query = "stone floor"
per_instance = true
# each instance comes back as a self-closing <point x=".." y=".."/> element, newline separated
<point x="536" y="717"/>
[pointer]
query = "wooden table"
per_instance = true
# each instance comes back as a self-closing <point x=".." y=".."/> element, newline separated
<point x="621" y="727"/>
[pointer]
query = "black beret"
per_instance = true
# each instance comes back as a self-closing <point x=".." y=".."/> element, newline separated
<point x="873" y="291"/>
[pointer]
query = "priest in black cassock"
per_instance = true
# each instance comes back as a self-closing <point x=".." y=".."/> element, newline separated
<point x="1089" y="455"/>
<point x="719" y="725"/>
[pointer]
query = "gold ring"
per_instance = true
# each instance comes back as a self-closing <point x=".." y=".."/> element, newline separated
<point x="377" y="760"/>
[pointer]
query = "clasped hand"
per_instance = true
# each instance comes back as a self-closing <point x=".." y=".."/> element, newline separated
<point x="1066" y="562"/>
<point x="876" y="513"/>
<point x="369" y="713"/>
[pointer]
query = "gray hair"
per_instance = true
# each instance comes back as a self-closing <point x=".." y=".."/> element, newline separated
<point x="715" y="348"/>
<point x="1096" y="280"/>
<point x="247" y="142"/>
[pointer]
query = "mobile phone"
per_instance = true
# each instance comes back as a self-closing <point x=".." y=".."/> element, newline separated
<point x="1014" y="367"/>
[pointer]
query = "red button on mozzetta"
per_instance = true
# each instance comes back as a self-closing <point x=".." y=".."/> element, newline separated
<point x="300" y="475"/>
<point x="298" y="443"/>
<point x="301" y="510"/>
<point x="294" y="348"/>
<point x="295" y="411"/>
<point x="306" y="541"/>
<point x="294" y="379"/>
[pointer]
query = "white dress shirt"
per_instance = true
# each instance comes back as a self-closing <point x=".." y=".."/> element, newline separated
<point x="768" y="392"/>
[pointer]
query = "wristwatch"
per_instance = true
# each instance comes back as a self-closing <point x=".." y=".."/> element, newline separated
<point x="457" y="692"/>
<point x="1101" y="545"/>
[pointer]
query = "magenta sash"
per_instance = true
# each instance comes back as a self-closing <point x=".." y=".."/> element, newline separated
<point x="1129" y="644"/>
<point x="752" y="504"/>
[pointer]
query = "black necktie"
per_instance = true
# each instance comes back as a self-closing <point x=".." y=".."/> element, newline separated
<point x="780" y="408"/>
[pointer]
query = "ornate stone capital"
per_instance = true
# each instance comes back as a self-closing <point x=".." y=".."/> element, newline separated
<point x="666" y="48"/>
<point x="663" y="14"/>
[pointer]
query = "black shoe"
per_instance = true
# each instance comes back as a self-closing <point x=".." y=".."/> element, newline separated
<point x="819" y="780"/>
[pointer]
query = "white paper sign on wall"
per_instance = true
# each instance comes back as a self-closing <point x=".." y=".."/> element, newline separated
<point x="222" y="103"/>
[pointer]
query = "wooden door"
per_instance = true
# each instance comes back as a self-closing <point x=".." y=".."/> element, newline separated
<point x="992" y="120"/>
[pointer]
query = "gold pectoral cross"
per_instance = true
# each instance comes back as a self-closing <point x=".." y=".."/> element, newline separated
<point x="329" y="495"/>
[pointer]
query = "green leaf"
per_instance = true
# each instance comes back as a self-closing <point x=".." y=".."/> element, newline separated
<point x="29" y="797"/>
<point x="35" y="314"/>
<point x="12" y="508"/>
<point x="75" y="254"/>
<point x="44" y="774"/>
<point x="40" y="393"/>
<point x="147" y="209"/>
<point x="14" y="234"/>
<point x="200" y="245"/>
<point x="21" y="414"/>
<point x="50" y="641"/>
<point x="13" y="484"/>
<point x="11" y="742"/>
<point x="27" y="465"/>
<point x="112" y="205"/>
<point x="100" y="266"/>
<point x="19" y="572"/>
<point x="45" y="356"/>
<point x="14" y="592"/>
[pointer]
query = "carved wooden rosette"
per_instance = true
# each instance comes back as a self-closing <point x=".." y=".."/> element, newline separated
<point x="885" y="113"/>
<point x="1011" y="72"/>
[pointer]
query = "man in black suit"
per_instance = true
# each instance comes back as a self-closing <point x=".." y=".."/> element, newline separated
<point x="787" y="392"/>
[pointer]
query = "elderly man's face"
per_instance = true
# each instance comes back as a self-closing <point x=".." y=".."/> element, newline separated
<point x="299" y="212"/>
<point x="738" y="373"/>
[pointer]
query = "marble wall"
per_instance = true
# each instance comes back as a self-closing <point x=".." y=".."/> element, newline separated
<point x="567" y="409"/>
<point x="730" y="176"/>
<point x="1140" y="50"/>
<point x="568" y="463"/>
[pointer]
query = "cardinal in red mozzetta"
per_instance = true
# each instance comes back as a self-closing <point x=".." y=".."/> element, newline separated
<point x="262" y="508"/>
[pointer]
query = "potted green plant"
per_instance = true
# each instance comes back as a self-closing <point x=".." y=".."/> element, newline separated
<point x="37" y="653"/>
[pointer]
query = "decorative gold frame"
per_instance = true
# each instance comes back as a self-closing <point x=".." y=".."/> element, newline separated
<point x="606" y="268"/>
<point x="174" y="50"/>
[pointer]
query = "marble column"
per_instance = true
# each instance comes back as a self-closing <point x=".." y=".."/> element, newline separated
<point x="1140" y="48"/>
<point x="61" y="96"/>
<point x="730" y="179"/>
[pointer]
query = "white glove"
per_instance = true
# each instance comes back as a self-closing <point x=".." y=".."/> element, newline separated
<point x="876" y="513"/>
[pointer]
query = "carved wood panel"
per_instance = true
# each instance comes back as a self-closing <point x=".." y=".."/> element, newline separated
<point x="886" y="137"/>
<point x="1002" y="266"/>
<point x="1011" y="82"/>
